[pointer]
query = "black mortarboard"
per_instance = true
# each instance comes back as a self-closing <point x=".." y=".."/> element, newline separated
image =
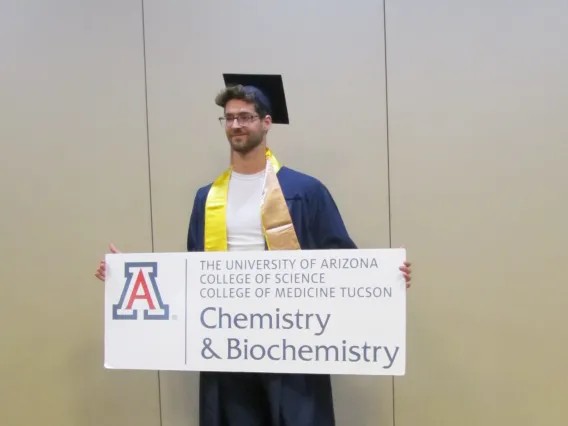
<point x="268" y="89"/>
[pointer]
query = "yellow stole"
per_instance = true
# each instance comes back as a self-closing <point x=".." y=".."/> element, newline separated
<point x="277" y="223"/>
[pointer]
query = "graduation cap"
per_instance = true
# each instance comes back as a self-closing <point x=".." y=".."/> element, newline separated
<point x="268" y="90"/>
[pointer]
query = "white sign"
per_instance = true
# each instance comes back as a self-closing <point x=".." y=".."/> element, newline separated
<point x="299" y="311"/>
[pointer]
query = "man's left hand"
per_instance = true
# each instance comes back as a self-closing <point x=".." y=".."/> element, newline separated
<point x="406" y="272"/>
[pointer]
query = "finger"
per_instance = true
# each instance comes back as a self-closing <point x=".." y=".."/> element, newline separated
<point x="113" y="248"/>
<point x="407" y="263"/>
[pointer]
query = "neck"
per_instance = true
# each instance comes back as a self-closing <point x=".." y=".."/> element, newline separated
<point x="252" y="162"/>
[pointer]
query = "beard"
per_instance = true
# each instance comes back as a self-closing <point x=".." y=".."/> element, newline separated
<point x="244" y="143"/>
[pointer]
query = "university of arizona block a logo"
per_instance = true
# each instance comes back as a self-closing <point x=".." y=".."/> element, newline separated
<point x="141" y="294"/>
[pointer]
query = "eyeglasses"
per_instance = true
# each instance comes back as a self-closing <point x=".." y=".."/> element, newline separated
<point x="242" y="119"/>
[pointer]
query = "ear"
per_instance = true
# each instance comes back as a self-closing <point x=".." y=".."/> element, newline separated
<point x="267" y="122"/>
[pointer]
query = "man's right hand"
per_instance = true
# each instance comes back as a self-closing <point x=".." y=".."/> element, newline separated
<point x="101" y="270"/>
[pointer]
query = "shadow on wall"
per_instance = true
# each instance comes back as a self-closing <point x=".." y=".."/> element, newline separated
<point x="355" y="394"/>
<point x="180" y="397"/>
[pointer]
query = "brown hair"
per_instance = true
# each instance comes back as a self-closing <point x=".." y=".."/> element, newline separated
<point x="238" y="92"/>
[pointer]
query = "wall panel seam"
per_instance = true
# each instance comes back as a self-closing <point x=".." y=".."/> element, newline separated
<point x="388" y="165"/>
<point x="149" y="174"/>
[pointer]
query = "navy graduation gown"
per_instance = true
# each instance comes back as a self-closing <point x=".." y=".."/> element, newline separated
<point x="249" y="399"/>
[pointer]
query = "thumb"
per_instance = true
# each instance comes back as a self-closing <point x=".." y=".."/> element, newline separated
<point x="113" y="249"/>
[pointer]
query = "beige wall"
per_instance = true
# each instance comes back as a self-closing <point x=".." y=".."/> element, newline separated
<point x="474" y="152"/>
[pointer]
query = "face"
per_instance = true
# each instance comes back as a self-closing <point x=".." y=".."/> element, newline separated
<point x="244" y="128"/>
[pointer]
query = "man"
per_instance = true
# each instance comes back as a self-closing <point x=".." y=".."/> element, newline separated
<point x="257" y="204"/>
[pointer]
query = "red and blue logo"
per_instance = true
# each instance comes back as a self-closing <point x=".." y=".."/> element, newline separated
<point x="141" y="294"/>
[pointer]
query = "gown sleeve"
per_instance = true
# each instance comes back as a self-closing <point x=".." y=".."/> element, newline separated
<point x="327" y="226"/>
<point x="194" y="241"/>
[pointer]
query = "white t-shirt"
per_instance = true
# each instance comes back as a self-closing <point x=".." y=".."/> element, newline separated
<point x="244" y="225"/>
